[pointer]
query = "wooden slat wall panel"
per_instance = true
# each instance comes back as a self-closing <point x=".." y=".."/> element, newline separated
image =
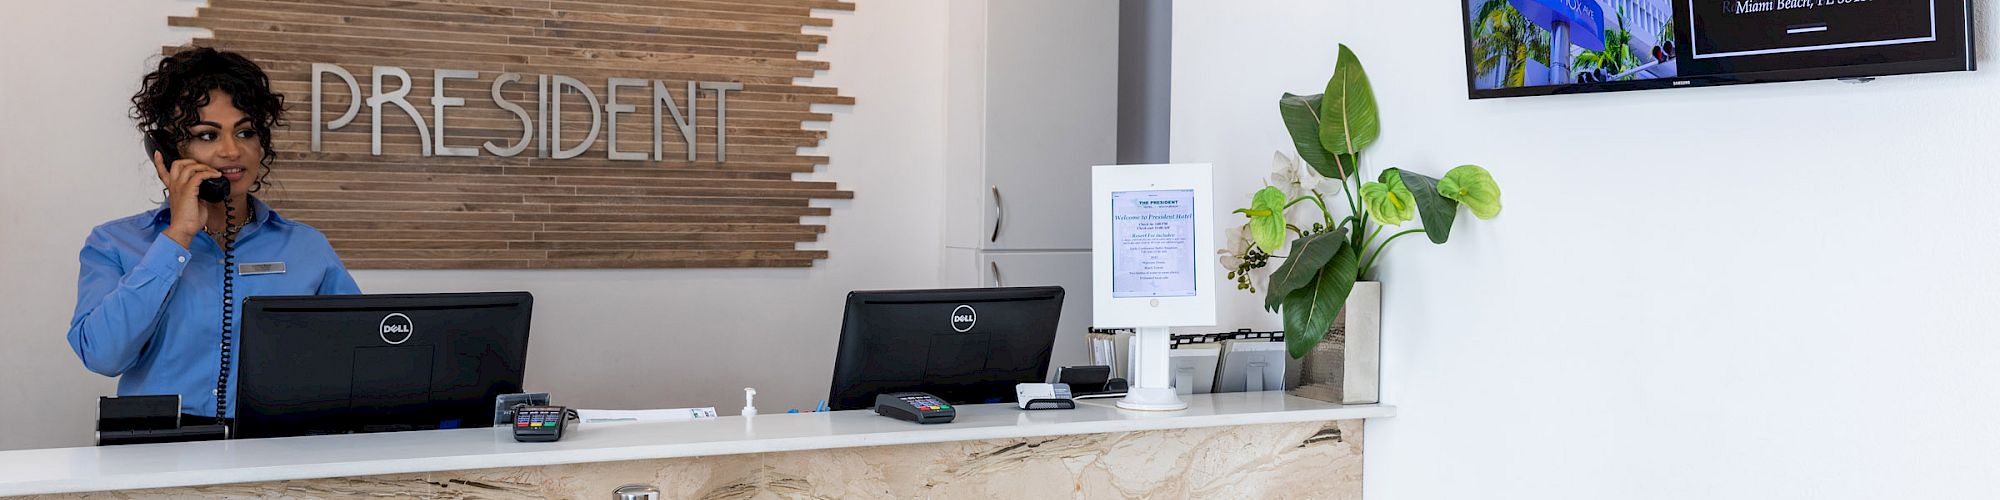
<point x="402" y="210"/>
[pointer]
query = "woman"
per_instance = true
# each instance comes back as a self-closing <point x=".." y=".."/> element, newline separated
<point x="150" y="305"/>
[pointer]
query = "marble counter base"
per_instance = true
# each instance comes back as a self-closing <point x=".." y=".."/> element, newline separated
<point x="1296" y="460"/>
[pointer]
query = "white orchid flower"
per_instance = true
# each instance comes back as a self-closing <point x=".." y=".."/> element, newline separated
<point x="1329" y="187"/>
<point x="1228" y="259"/>
<point x="1326" y="186"/>
<point x="1235" y="244"/>
<point x="1285" y="173"/>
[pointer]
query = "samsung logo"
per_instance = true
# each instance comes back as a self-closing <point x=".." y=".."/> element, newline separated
<point x="963" y="317"/>
<point x="397" y="328"/>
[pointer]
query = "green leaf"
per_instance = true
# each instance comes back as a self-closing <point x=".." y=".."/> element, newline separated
<point x="1310" y="311"/>
<point x="1390" y="203"/>
<point x="1437" y="211"/>
<point x="1301" y="114"/>
<point x="1348" y="122"/>
<point x="1474" y="187"/>
<point x="1267" y="218"/>
<point x="1273" y="302"/>
<point x="1308" y="255"/>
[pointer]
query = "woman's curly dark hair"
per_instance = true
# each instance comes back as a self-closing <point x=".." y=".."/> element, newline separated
<point x="171" y="97"/>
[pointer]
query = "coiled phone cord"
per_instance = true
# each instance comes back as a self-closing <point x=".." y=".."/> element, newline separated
<point x="228" y="306"/>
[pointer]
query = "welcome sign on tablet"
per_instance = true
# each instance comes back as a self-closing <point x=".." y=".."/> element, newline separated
<point x="1152" y="229"/>
<point x="1152" y="233"/>
<point x="1153" y="248"/>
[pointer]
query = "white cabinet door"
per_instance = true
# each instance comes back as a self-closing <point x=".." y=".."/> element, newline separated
<point x="1051" y="113"/>
<point x="1070" y="270"/>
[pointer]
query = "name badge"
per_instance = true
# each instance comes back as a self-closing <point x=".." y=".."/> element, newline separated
<point x="255" y="268"/>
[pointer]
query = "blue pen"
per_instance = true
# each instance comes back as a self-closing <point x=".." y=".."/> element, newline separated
<point x="821" y="406"/>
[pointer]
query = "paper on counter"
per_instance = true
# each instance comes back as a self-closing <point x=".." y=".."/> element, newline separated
<point x="665" y="415"/>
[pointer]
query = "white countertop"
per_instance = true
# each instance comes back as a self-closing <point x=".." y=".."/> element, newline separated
<point x="67" y="470"/>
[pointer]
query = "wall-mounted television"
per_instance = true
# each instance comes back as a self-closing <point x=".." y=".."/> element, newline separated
<point x="1540" y="47"/>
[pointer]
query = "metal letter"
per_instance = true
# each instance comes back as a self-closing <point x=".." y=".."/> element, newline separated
<point x="542" y="113"/>
<point x="397" y="97"/>
<point x="722" y="116"/>
<point x="661" y="95"/>
<point x="555" y="108"/>
<point x="611" y="110"/>
<point x="527" y="127"/>
<point x="353" y="99"/>
<point x="438" y="103"/>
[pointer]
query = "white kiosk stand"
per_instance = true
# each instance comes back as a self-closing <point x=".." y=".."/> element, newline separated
<point x="1152" y="254"/>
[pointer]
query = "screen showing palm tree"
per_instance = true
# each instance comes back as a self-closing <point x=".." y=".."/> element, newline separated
<point x="1531" y="43"/>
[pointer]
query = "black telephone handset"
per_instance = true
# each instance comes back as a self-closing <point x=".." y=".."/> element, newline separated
<point x="213" y="191"/>
<point x="159" y="141"/>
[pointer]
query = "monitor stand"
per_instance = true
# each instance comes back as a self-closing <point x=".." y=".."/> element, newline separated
<point x="1152" y="373"/>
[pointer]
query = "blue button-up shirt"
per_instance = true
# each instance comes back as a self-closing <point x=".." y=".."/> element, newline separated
<point x="150" y="312"/>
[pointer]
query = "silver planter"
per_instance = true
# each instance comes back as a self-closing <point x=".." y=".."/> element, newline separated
<point x="1346" y="366"/>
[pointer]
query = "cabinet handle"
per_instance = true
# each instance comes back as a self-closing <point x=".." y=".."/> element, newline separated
<point x="999" y="214"/>
<point x="996" y="274"/>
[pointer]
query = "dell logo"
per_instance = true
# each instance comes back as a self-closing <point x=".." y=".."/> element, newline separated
<point x="963" y="318"/>
<point x="396" y="328"/>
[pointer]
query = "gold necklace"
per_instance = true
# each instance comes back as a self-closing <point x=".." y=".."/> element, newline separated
<point x="231" y="230"/>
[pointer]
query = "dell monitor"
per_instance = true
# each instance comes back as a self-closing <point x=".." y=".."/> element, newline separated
<point x="967" y="346"/>
<point x="371" y="363"/>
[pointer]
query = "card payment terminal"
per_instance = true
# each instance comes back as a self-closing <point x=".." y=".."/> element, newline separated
<point x="915" y="407"/>
<point x="540" y="423"/>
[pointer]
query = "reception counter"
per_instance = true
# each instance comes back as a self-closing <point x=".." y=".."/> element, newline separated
<point x="1231" y="445"/>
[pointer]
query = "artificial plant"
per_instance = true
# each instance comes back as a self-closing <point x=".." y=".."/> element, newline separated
<point x="1320" y="264"/>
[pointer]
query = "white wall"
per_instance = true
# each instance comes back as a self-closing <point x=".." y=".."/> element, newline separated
<point x="1770" y="291"/>
<point x="602" y="339"/>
